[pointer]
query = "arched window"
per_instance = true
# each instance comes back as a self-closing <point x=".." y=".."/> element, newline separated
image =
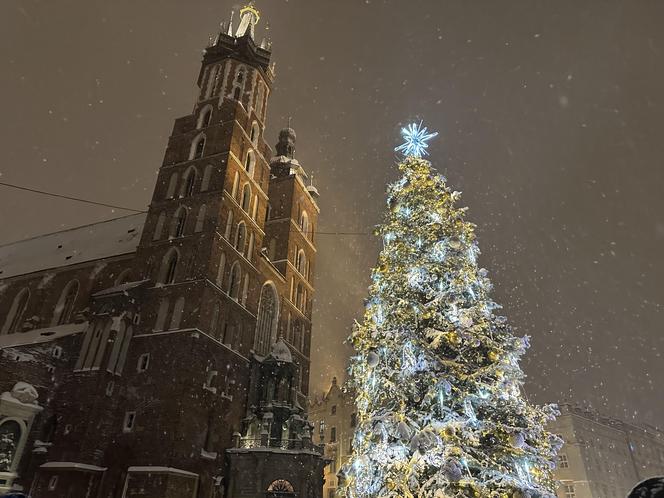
<point x="254" y="210"/>
<point x="267" y="319"/>
<point x="220" y="270"/>
<point x="200" y="219"/>
<point x="212" y="79"/>
<point x="159" y="227"/>
<point x="189" y="185"/>
<point x="15" y="316"/>
<point x="255" y="133"/>
<point x="301" y="262"/>
<point x="280" y="488"/>
<point x="236" y="185"/>
<point x="241" y="237"/>
<point x="250" y="163"/>
<point x="169" y="267"/>
<point x="162" y="314"/>
<point x="172" y="185"/>
<point x="250" y="246"/>
<point x="207" y="176"/>
<point x="238" y="84"/>
<point x="299" y="294"/>
<point x="214" y="321"/>
<point x="65" y="306"/>
<point x="304" y="222"/>
<point x="178" y="311"/>
<point x="179" y="222"/>
<point x="234" y="281"/>
<point x="245" y="289"/>
<point x="204" y="117"/>
<point x="197" y="147"/>
<point x="246" y="197"/>
<point x="229" y="226"/>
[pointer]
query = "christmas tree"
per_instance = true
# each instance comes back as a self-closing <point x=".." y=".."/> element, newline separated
<point x="436" y="375"/>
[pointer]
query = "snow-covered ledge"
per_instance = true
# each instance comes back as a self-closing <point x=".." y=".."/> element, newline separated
<point x="18" y="408"/>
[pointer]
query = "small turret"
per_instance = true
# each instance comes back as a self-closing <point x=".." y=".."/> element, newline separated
<point x="286" y="145"/>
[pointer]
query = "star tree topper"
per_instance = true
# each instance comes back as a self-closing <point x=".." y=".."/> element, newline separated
<point x="416" y="140"/>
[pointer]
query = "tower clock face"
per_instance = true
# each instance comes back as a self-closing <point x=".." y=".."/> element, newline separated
<point x="652" y="488"/>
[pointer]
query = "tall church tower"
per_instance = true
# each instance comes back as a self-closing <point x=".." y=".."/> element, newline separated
<point x="188" y="376"/>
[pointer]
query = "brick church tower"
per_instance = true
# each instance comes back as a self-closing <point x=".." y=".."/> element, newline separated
<point x="174" y="360"/>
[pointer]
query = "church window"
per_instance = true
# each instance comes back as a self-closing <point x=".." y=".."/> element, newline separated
<point x="301" y="262"/>
<point x="204" y="117"/>
<point x="178" y="311"/>
<point x="250" y="163"/>
<point x="179" y="222"/>
<point x="212" y="79"/>
<point x="255" y="133"/>
<point x="200" y="219"/>
<point x="15" y="316"/>
<point x="197" y="147"/>
<point x="267" y="319"/>
<point x="260" y="100"/>
<point x="220" y="270"/>
<point x="236" y="185"/>
<point x="143" y="362"/>
<point x="172" y="185"/>
<point x="207" y="176"/>
<point x="246" y="197"/>
<point x="333" y="411"/>
<point x="234" y="281"/>
<point x="229" y="226"/>
<point x="65" y="306"/>
<point x="236" y="93"/>
<point x="229" y="332"/>
<point x="280" y="487"/>
<point x="333" y="434"/>
<point x="254" y="211"/>
<point x="188" y="188"/>
<point x="162" y="314"/>
<point x="250" y="246"/>
<point x="117" y="340"/>
<point x="129" y="421"/>
<point x="304" y="222"/>
<point x="245" y="289"/>
<point x="169" y="267"/>
<point x="299" y="295"/>
<point x="241" y="237"/>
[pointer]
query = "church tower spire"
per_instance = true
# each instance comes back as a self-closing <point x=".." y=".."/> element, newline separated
<point x="249" y="17"/>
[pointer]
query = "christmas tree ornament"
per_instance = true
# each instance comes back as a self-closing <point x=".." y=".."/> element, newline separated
<point x="372" y="359"/>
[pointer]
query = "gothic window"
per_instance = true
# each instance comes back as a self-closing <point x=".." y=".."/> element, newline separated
<point x="169" y="267"/>
<point x="260" y="100"/>
<point x="188" y="188"/>
<point x="89" y="353"/>
<point x="65" y="306"/>
<point x="255" y="133"/>
<point x="16" y="312"/>
<point x="238" y="84"/>
<point x="237" y="93"/>
<point x="178" y="311"/>
<point x="229" y="226"/>
<point x="10" y="439"/>
<point x="197" y="147"/>
<point x="200" y="219"/>
<point x="254" y="211"/>
<point x="236" y="185"/>
<point x="246" y="197"/>
<point x="172" y="185"/>
<point x="162" y="314"/>
<point x="207" y="176"/>
<point x="301" y="262"/>
<point x="179" y="222"/>
<point x="245" y="289"/>
<point x="250" y="163"/>
<point x="212" y="79"/>
<point x="204" y="117"/>
<point x="304" y="222"/>
<point x="159" y="227"/>
<point x="267" y="319"/>
<point x="299" y="293"/>
<point x="250" y="246"/>
<point x="234" y="281"/>
<point x="241" y="237"/>
<point x="220" y="270"/>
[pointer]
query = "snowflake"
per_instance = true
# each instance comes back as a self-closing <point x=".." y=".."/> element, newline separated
<point x="416" y="139"/>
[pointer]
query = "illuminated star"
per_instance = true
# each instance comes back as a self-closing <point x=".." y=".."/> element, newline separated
<point x="416" y="139"/>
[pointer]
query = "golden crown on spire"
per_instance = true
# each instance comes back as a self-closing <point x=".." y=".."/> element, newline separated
<point x="253" y="10"/>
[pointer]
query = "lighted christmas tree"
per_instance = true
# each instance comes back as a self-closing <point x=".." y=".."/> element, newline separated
<point x="436" y="375"/>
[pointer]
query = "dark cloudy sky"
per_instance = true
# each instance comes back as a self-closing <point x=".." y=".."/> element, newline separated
<point x="550" y="118"/>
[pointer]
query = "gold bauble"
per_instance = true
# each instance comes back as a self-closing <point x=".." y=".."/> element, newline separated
<point x="493" y="355"/>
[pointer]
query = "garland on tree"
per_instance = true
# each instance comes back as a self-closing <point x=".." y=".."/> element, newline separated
<point x="436" y="375"/>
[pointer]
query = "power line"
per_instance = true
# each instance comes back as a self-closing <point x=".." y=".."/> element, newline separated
<point x="71" y="198"/>
<point x="87" y="201"/>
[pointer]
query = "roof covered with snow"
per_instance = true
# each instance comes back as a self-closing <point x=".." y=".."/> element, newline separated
<point x="280" y="352"/>
<point x="69" y="247"/>
<point x="41" y="335"/>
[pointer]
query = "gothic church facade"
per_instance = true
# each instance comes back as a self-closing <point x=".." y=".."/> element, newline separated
<point x="167" y="354"/>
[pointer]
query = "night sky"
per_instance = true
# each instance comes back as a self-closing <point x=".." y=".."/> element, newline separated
<point x="550" y="118"/>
